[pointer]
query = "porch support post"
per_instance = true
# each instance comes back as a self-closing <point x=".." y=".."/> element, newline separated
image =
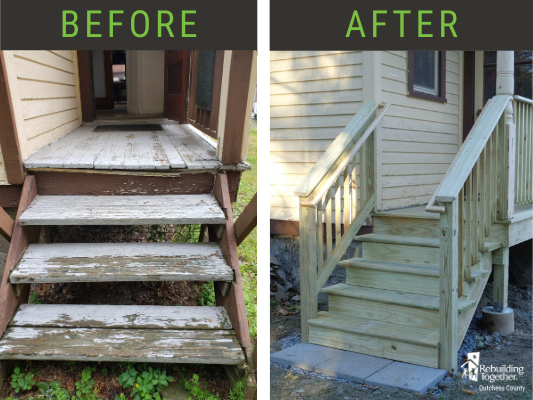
<point x="448" y="280"/>
<point x="505" y="86"/>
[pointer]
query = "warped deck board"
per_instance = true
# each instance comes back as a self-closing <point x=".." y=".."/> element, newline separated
<point x="175" y="147"/>
<point x="126" y="345"/>
<point x="123" y="210"/>
<point x="127" y="317"/>
<point x="119" y="262"/>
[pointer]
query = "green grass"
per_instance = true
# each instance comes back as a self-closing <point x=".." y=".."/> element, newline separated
<point x="248" y="248"/>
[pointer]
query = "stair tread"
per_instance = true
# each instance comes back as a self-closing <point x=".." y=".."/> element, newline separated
<point x="123" y="210"/>
<point x="121" y="345"/>
<point x="391" y="267"/>
<point x="380" y="329"/>
<point x="393" y="297"/>
<point x="121" y="333"/>
<point x="396" y="239"/>
<point x="116" y="262"/>
<point x="120" y="316"/>
<point x="408" y="212"/>
<point x="412" y="269"/>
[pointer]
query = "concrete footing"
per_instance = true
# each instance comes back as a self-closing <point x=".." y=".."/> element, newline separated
<point x="501" y="322"/>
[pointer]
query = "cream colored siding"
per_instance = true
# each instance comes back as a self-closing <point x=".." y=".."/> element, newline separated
<point x="3" y="174"/>
<point x="45" y="92"/>
<point x="313" y="95"/>
<point x="419" y="137"/>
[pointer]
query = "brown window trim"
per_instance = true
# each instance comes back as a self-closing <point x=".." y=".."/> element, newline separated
<point x="441" y="98"/>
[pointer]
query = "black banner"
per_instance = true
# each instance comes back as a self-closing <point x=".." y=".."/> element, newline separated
<point x="133" y="24"/>
<point x="378" y="25"/>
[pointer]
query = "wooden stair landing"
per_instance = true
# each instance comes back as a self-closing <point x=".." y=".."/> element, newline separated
<point x="123" y="210"/>
<point x="200" y="335"/>
<point x="119" y="262"/>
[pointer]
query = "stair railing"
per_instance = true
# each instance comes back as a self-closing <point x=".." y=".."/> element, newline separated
<point x="472" y="196"/>
<point x="523" y="110"/>
<point x="329" y="196"/>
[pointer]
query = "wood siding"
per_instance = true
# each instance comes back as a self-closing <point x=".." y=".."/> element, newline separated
<point x="419" y="137"/>
<point x="45" y="92"/>
<point x="313" y="95"/>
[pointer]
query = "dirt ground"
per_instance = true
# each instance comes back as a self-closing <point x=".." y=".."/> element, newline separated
<point x="212" y="378"/>
<point x="516" y="349"/>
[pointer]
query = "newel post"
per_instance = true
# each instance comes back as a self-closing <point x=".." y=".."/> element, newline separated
<point x="505" y="86"/>
<point x="308" y="268"/>
<point x="449" y="294"/>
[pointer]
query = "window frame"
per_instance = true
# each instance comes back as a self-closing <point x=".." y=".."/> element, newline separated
<point x="441" y="85"/>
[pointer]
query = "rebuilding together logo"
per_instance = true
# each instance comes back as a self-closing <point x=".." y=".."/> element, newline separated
<point x="474" y="371"/>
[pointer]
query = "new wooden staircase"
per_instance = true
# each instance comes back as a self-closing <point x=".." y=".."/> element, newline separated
<point x="413" y="292"/>
<point x="201" y="335"/>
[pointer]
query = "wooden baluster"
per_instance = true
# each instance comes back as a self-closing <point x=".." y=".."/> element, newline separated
<point x="486" y="197"/>
<point x="519" y="152"/>
<point x="461" y="247"/>
<point x="320" y="232"/>
<point x="502" y="170"/>
<point x="495" y="173"/>
<point x="363" y="160"/>
<point x="474" y="216"/>
<point x="354" y="187"/>
<point x="370" y="178"/>
<point x="346" y="195"/>
<point x="528" y="129"/>
<point x="468" y="213"/>
<point x="481" y="202"/>
<point x="329" y="231"/>
<point x="338" y="210"/>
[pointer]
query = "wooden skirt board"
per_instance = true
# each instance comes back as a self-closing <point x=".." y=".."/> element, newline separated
<point x="123" y="210"/>
<point x="119" y="262"/>
<point x="175" y="147"/>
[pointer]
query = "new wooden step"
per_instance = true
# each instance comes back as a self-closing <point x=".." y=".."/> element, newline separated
<point x="400" y="268"/>
<point x="116" y="262"/>
<point x="401" y="240"/>
<point x="381" y="339"/>
<point x="121" y="333"/>
<point x="123" y="210"/>
<point x="408" y="212"/>
<point x="392" y="297"/>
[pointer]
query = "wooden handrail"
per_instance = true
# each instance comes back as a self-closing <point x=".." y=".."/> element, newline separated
<point x="328" y="182"/>
<point x="522" y="99"/>
<point x="474" y="144"/>
<point x="335" y="152"/>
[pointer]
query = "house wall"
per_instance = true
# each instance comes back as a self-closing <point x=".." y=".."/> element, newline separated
<point x="145" y="71"/>
<point x="313" y="95"/>
<point x="45" y="93"/>
<point x="420" y="138"/>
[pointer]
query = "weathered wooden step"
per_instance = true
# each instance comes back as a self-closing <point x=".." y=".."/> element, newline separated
<point x="118" y="316"/>
<point x="123" y="210"/>
<point x="392" y="297"/>
<point x="401" y="240"/>
<point x="116" y="262"/>
<point x="121" y="333"/>
<point x="381" y="339"/>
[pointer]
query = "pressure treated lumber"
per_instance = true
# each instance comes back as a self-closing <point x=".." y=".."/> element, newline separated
<point x="392" y="297"/>
<point x="123" y="210"/>
<point x="126" y="345"/>
<point x="117" y="316"/>
<point x="395" y="239"/>
<point x="118" y="262"/>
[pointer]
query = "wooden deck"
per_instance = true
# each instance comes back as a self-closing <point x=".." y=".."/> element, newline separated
<point x="125" y="145"/>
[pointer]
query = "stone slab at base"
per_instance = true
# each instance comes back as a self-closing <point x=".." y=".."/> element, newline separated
<point x="410" y="377"/>
<point x="360" y="368"/>
<point x="501" y="322"/>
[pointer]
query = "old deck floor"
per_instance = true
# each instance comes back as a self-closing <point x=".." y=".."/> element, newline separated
<point x="174" y="146"/>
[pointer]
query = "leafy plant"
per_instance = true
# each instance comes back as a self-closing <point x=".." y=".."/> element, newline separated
<point x="35" y="299"/>
<point x="20" y="382"/>
<point x="85" y="385"/>
<point x="120" y="397"/>
<point x="186" y="233"/>
<point x="127" y="378"/>
<point x="148" y="383"/>
<point x="237" y="393"/>
<point x="206" y="294"/>
<point x="195" y="390"/>
<point x="105" y="372"/>
<point x="52" y="391"/>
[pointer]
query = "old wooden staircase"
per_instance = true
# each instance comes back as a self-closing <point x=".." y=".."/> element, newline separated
<point x="412" y="293"/>
<point x="201" y="335"/>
